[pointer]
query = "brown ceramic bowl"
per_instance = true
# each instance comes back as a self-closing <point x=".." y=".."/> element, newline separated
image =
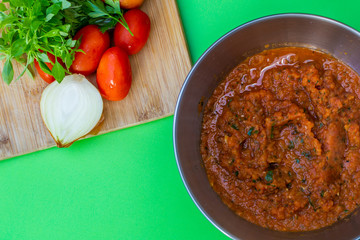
<point x="274" y="31"/>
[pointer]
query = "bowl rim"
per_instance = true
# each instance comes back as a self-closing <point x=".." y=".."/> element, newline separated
<point x="195" y="66"/>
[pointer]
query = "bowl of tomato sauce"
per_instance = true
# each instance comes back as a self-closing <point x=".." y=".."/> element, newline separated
<point x="266" y="130"/>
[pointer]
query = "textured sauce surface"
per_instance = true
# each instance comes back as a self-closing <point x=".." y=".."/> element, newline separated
<point x="280" y="139"/>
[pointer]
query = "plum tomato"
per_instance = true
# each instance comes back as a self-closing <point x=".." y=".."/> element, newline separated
<point x="113" y="75"/>
<point x="94" y="43"/>
<point x="139" y="24"/>
<point x="129" y="4"/>
<point x="47" y="77"/>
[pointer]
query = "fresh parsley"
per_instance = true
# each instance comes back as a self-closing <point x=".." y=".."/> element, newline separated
<point x="32" y="28"/>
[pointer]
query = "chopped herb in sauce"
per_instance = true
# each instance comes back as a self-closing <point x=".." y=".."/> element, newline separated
<point x="312" y="204"/>
<point x="269" y="176"/>
<point x="322" y="193"/>
<point x="306" y="154"/>
<point x="250" y="131"/>
<point x="234" y="126"/>
<point x="291" y="145"/>
<point x="273" y="121"/>
<point x="228" y="103"/>
<point x="272" y="132"/>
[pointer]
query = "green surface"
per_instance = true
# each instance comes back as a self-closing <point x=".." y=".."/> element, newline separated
<point x="125" y="184"/>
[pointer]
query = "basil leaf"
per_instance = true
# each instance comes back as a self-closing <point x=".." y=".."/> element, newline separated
<point x="18" y="47"/>
<point x="65" y="4"/>
<point x="69" y="60"/>
<point x="52" y="33"/>
<point x="5" y="20"/>
<point x="18" y="3"/>
<point x="2" y="7"/>
<point x="52" y="11"/>
<point x="34" y="25"/>
<point x="8" y="72"/>
<point x="44" y="67"/>
<point x="58" y="72"/>
<point x="44" y="3"/>
<point x="43" y="57"/>
<point x="70" y="43"/>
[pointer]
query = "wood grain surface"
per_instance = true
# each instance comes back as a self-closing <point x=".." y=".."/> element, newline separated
<point x="158" y="73"/>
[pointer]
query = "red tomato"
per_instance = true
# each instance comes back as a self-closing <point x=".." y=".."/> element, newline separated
<point x="47" y="77"/>
<point x="128" y="4"/>
<point x="114" y="74"/>
<point x="94" y="43"/>
<point x="139" y="24"/>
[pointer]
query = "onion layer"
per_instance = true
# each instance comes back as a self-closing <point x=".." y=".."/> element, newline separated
<point x="71" y="109"/>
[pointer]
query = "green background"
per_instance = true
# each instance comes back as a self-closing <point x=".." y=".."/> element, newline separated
<point x="125" y="184"/>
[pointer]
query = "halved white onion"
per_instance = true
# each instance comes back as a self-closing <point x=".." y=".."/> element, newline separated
<point x="70" y="109"/>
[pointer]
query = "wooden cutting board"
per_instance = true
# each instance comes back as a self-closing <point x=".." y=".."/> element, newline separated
<point x="158" y="73"/>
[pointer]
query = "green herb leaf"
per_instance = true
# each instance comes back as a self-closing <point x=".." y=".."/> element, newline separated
<point x="65" y="4"/>
<point x="8" y="72"/>
<point x="58" y="72"/>
<point x="312" y="204"/>
<point x="52" y="11"/>
<point x="306" y="154"/>
<point x="269" y="176"/>
<point x="250" y="131"/>
<point x="17" y="3"/>
<point x="44" y="67"/>
<point x="234" y="126"/>
<point x="35" y="28"/>
<point x="97" y="9"/>
<point x="2" y="7"/>
<point x="18" y="47"/>
<point x="43" y="57"/>
<point x="291" y="145"/>
<point x="114" y="4"/>
<point x="272" y="132"/>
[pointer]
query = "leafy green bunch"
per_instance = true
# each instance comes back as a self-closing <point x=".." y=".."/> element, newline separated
<point x="32" y="28"/>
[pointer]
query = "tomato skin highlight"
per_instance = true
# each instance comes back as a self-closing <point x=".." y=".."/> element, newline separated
<point x="129" y="4"/>
<point x="139" y="24"/>
<point x="46" y="77"/>
<point x="94" y="43"/>
<point x="114" y="75"/>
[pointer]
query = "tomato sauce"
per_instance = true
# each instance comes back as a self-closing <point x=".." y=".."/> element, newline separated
<point x="280" y="139"/>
